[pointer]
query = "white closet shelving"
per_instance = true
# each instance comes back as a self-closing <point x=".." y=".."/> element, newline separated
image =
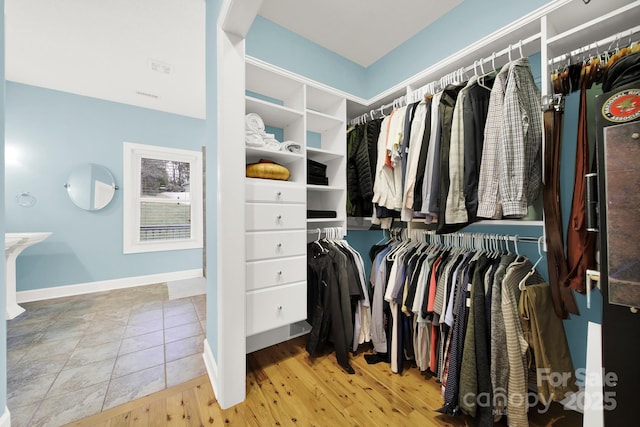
<point x="552" y="30"/>
<point x="276" y="211"/>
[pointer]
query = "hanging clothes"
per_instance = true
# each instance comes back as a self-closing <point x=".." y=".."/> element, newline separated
<point x="338" y="306"/>
<point x="580" y="242"/>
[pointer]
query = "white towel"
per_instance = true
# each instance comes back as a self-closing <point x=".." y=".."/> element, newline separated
<point x="272" y="144"/>
<point x="292" y="147"/>
<point x="254" y="123"/>
<point x="253" y="139"/>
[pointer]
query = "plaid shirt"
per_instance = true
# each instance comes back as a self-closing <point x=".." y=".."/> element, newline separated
<point x="489" y="205"/>
<point x="519" y="153"/>
<point x="510" y="172"/>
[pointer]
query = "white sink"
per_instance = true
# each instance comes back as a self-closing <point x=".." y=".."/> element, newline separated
<point x="14" y="244"/>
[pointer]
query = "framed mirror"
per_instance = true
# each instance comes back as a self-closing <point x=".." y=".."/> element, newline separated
<point x="91" y="187"/>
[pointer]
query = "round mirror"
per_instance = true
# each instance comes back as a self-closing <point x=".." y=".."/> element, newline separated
<point x="91" y="187"/>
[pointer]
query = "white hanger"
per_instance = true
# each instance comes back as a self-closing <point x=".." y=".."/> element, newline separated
<point x="522" y="285"/>
<point x="520" y="48"/>
<point x="509" y="53"/>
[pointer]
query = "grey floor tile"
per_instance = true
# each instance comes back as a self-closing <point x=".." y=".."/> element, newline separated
<point x="182" y="331"/>
<point x="73" y="379"/>
<point x="177" y="305"/>
<point x="25" y="339"/>
<point x="143" y="328"/>
<point x="86" y="355"/>
<point x="182" y="348"/>
<point x="134" y="386"/>
<point x="137" y="317"/>
<point x="185" y="369"/>
<point x="15" y="354"/>
<point x="47" y="349"/>
<point x="65" y="408"/>
<point x="21" y="329"/>
<point x="141" y="342"/>
<point x="21" y="415"/>
<point x="24" y="370"/>
<point x="144" y="306"/>
<point x="62" y="352"/>
<point x="180" y="319"/>
<point x="101" y="335"/>
<point x="29" y="390"/>
<point x="138" y="361"/>
<point x="56" y="334"/>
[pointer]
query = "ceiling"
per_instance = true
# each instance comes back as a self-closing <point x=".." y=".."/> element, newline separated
<point x="150" y="53"/>
<point x="360" y="30"/>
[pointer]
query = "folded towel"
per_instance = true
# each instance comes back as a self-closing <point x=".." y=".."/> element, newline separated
<point x="272" y="144"/>
<point x="253" y="140"/>
<point x="254" y="123"/>
<point x="292" y="147"/>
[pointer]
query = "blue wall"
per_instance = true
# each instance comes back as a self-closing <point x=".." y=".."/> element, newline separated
<point x="465" y="24"/>
<point x="453" y="31"/>
<point x="52" y="132"/>
<point x="278" y="46"/>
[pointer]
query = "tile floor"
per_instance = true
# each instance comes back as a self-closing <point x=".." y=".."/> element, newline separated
<point x="72" y="357"/>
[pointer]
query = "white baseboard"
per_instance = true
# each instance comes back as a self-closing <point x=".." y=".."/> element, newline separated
<point x="104" y="285"/>
<point x="212" y="367"/>
<point x="5" y="419"/>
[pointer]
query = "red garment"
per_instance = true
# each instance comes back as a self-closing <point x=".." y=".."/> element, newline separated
<point x="580" y="242"/>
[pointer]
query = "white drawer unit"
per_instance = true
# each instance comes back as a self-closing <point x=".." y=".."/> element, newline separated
<point x="275" y="244"/>
<point x="274" y="307"/>
<point x="260" y="190"/>
<point x="275" y="272"/>
<point x="263" y="217"/>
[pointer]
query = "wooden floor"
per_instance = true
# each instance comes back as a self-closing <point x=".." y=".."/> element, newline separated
<point x="286" y="388"/>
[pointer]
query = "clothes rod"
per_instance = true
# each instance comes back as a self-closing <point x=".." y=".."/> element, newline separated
<point x="596" y="45"/>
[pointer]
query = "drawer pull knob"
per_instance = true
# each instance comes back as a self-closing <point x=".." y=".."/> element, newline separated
<point x="279" y="307"/>
<point x="279" y="217"/>
<point x="279" y="273"/>
<point x="279" y="195"/>
<point x="279" y="245"/>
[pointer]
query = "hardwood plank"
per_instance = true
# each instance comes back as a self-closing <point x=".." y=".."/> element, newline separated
<point x="121" y="420"/>
<point x="139" y="416"/>
<point x="285" y="387"/>
<point x="176" y="416"/>
<point x="207" y="404"/>
<point x="158" y="413"/>
<point x="191" y="405"/>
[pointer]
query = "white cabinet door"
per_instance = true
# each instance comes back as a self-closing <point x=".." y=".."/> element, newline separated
<point x="263" y="217"/>
<point x="276" y="192"/>
<point x="275" y="272"/>
<point x="275" y="244"/>
<point x="275" y="307"/>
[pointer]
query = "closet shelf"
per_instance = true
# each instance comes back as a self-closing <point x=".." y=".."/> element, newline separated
<point x="320" y="122"/>
<point x="283" y="157"/>
<point x="594" y="29"/>
<point x="321" y="155"/>
<point x="272" y="114"/>
<point x="323" y="188"/>
<point x="324" y="220"/>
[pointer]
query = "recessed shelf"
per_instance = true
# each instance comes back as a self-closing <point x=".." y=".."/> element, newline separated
<point x="272" y="114"/>
<point x="321" y="155"/>
<point x="320" y="122"/>
<point x="283" y="157"/>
